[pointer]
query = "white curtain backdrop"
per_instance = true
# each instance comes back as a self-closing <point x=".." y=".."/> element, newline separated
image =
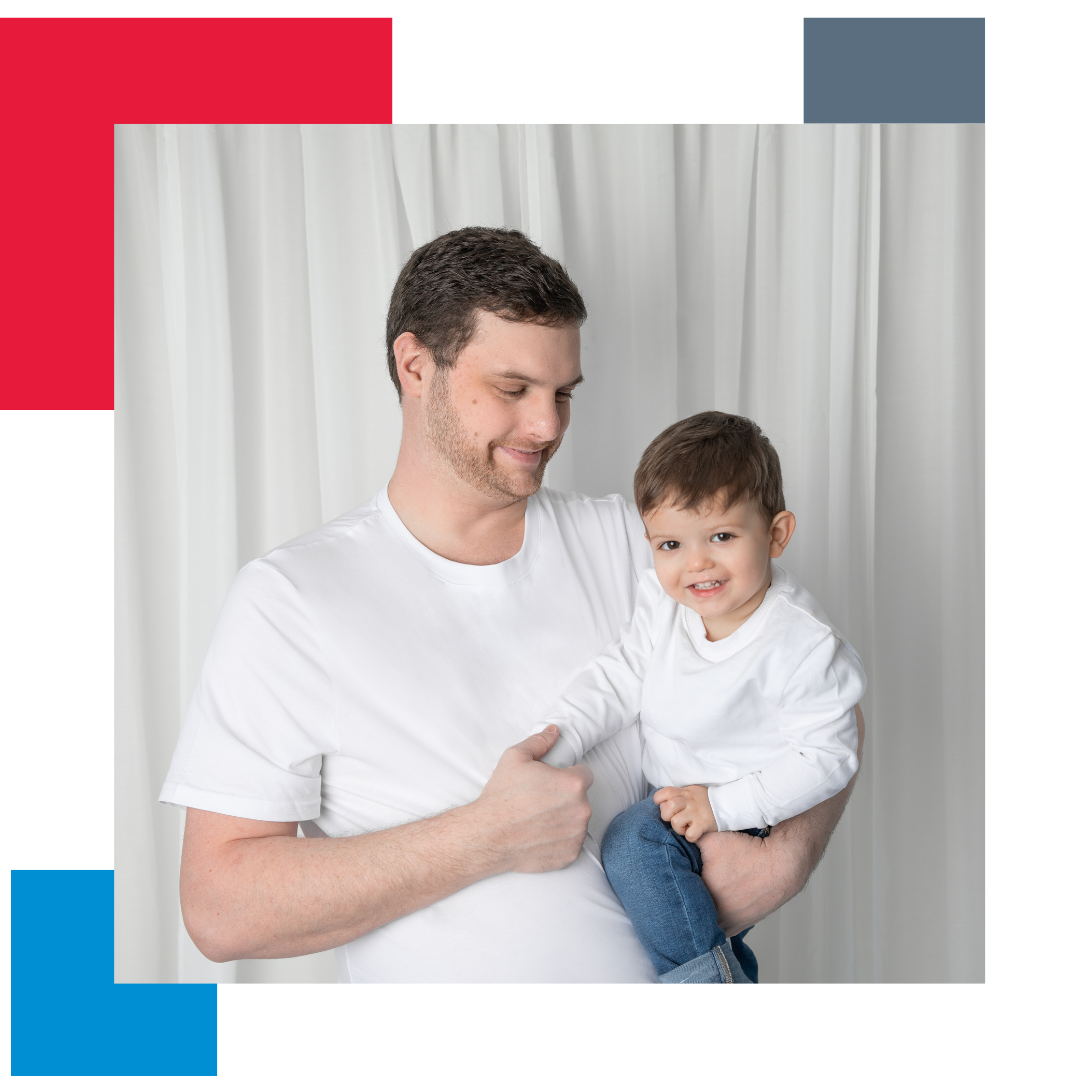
<point x="826" y="281"/>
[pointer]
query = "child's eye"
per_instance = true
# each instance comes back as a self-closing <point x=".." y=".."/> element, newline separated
<point x="668" y="545"/>
<point x="722" y="537"/>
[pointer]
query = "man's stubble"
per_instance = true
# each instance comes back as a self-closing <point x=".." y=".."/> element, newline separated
<point x="473" y="464"/>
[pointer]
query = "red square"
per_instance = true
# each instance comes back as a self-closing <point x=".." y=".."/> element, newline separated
<point x="64" y="83"/>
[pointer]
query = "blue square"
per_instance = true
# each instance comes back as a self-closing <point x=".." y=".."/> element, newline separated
<point x="68" y="1017"/>
<point x="894" y="71"/>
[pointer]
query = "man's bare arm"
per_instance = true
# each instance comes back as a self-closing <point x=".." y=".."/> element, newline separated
<point x="254" y="889"/>
<point x="750" y="878"/>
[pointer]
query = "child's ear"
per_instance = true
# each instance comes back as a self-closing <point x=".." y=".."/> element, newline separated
<point x="783" y="528"/>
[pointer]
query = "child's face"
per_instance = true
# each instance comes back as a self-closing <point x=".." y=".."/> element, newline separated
<point x="716" y="559"/>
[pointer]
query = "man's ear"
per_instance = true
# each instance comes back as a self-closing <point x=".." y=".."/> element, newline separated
<point x="783" y="528"/>
<point x="413" y="361"/>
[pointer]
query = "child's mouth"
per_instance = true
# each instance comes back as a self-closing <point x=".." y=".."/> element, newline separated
<point x="707" y="588"/>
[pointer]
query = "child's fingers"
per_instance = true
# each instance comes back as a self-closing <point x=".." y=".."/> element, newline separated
<point x="665" y="794"/>
<point x="671" y="807"/>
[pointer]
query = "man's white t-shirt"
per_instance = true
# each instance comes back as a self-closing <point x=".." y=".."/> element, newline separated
<point x="359" y="680"/>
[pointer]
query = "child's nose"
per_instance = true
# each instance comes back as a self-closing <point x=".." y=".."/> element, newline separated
<point x="698" y="561"/>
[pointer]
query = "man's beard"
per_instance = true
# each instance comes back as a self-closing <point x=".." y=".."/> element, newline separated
<point x="476" y="466"/>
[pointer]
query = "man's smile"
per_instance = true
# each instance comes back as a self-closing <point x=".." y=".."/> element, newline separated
<point x="525" y="457"/>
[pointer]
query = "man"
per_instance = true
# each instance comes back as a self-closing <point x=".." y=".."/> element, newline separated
<point x="366" y="679"/>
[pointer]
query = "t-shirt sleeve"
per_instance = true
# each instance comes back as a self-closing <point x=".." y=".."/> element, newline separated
<point x="606" y="696"/>
<point x="817" y="720"/>
<point x="262" y="715"/>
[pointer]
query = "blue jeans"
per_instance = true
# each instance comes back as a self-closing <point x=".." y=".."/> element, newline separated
<point x="657" y="875"/>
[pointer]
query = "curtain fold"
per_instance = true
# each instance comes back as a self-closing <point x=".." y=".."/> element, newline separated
<point x="824" y="280"/>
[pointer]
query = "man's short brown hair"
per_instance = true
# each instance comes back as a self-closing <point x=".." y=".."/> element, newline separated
<point x="708" y="455"/>
<point x="449" y="280"/>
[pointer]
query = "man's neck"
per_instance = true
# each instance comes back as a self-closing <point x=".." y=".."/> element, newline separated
<point x="449" y="516"/>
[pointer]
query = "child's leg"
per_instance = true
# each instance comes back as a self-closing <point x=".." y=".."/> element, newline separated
<point x="657" y="875"/>
<point x="747" y="960"/>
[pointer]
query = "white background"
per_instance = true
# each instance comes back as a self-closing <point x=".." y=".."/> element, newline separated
<point x="57" y="484"/>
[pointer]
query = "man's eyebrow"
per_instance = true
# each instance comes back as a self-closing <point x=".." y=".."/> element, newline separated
<point x="518" y="377"/>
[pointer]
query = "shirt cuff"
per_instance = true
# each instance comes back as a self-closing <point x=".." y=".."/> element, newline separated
<point x="561" y="755"/>
<point x="734" y="806"/>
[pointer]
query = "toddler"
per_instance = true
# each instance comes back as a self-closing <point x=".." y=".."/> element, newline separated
<point x="745" y="691"/>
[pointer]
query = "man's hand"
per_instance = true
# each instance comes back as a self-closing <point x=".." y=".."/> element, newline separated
<point x="537" y="814"/>
<point x="687" y="809"/>
<point x="254" y="889"/>
<point x="749" y="877"/>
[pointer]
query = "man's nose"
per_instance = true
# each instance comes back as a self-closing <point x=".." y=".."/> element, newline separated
<point x="544" y="422"/>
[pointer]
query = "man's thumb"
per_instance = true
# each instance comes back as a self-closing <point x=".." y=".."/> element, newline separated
<point x="539" y="743"/>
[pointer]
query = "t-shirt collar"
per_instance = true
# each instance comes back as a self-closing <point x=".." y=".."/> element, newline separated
<point x="497" y="574"/>
<point x="725" y="647"/>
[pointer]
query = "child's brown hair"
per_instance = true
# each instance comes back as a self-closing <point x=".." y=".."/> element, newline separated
<point x="710" y="454"/>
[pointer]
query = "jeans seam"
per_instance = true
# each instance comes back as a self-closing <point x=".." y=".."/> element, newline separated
<point x="725" y="967"/>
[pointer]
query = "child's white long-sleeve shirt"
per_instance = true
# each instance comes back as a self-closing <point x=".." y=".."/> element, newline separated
<point x="764" y="717"/>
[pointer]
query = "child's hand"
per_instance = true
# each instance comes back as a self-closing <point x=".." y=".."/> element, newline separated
<point x="687" y="809"/>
